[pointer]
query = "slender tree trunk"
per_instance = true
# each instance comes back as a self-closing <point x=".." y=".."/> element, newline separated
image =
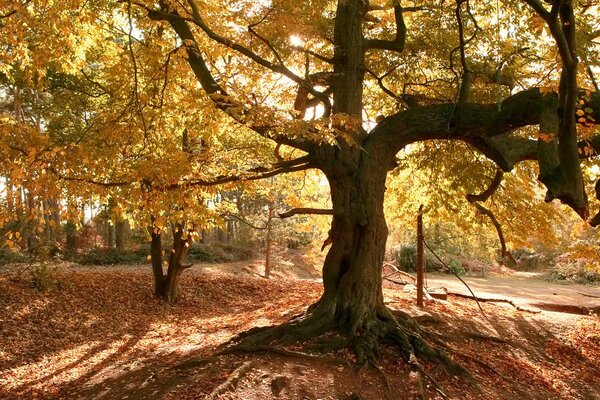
<point x="110" y="239"/>
<point x="230" y="230"/>
<point x="220" y="235"/>
<point x="120" y="229"/>
<point x="166" y="285"/>
<point x="10" y="196"/>
<point x="28" y="232"/>
<point x="156" y="259"/>
<point x="19" y="203"/>
<point x="71" y="240"/>
<point x="420" y="257"/>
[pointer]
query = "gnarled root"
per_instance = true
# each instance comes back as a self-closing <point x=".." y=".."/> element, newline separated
<point x="362" y="331"/>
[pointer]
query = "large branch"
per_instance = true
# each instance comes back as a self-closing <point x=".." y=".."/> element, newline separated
<point x="306" y="210"/>
<point x="254" y="174"/>
<point x="467" y="121"/>
<point x="216" y="92"/>
<point x="488" y="128"/>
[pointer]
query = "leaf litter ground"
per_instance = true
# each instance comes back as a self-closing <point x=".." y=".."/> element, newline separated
<point x="100" y="334"/>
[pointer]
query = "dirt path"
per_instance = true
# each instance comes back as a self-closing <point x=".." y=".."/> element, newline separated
<point x="527" y="292"/>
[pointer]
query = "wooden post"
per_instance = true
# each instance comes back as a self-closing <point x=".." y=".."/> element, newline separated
<point x="268" y="243"/>
<point x="420" y="257"/>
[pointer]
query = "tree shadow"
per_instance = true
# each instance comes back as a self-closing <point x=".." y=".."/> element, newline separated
<point x="103" y="334"/>
<point x="523" y="351"/>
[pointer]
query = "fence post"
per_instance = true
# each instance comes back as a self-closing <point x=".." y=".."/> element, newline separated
<point x="420" y="257"/>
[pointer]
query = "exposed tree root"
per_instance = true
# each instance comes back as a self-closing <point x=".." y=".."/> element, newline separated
<point x="231" y="383"/>
<point x="486" y="300"/>
<point x="385" y="378"/>
<point x="283" y="352"/>
<point x="359" y="328"/>
<point x="476" y="361"/>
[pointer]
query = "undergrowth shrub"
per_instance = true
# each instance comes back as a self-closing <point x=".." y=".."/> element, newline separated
<point x="44" y="277"/>
<point x="573" y="270"/>
<point x="111" y="256"/>
<point x="11" y="257"/>
<point x="219" y="252"/>
<point x="406" y="258"/>
<point x="456" y="267"/>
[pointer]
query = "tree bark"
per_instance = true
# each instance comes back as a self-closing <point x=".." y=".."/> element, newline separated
<point x="353" y="294"/>
<point x="10" y="196"/>
<point x="420" y="257"/>
<point x="156" y="260"/>
<point x="71" y="238"/>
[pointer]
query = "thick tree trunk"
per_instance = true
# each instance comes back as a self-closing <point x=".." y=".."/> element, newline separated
<point x="352" y="269"/>
<point x="352" y="300"/>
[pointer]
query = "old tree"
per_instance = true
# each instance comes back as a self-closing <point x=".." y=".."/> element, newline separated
<point x="448" y="78"/>
<point x="343" y="87"/>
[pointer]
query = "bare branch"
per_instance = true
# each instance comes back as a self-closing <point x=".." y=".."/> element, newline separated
<point x="482" y="197"/>
<point x="491" y="189"/>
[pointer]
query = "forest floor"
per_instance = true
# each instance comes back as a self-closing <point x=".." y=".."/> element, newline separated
<point x="100" y="334"/>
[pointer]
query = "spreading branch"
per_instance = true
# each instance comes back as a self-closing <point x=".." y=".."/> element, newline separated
<point x="466" y="121"/>
<point x="216" y="92"/>
<point x="486" y="127"/>
<point x="307" y="210"/>
<point x="254" y="174"/>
